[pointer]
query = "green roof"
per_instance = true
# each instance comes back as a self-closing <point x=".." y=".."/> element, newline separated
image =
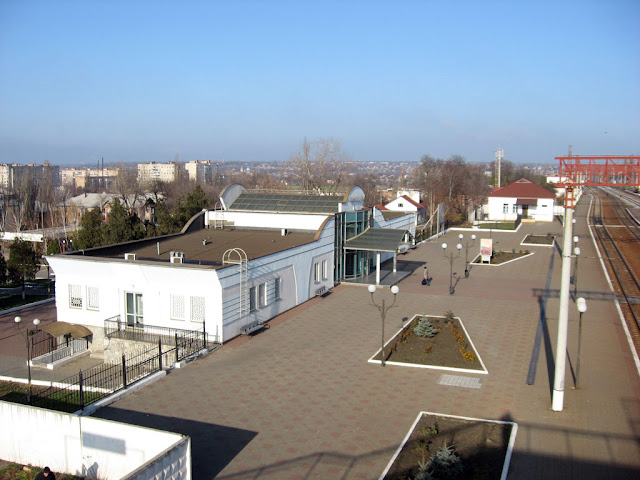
<point x="377" y="240"/>
<point x="274" y="202"/>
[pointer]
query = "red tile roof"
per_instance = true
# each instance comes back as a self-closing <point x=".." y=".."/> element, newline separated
<point x="523" y="188"/>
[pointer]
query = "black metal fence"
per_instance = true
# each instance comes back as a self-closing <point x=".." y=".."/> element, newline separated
<point x="100" y="381"/>
<point x="114" y="327"/>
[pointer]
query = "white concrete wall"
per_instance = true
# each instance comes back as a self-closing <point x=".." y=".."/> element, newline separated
<point x="269" y="220"/>
<point x="83" y="445"/>
<point x="543" y="211"/>
<point x="401" y="205"/>
<point x="220" y="288"/>
<point x="156" y="284"/>
<point x="295" y="268"/>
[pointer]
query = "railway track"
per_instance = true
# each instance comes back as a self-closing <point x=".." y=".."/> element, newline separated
<point x="619" y="243"/>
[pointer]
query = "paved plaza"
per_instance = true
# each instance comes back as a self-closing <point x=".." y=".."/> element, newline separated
<point x="300" y="401"/>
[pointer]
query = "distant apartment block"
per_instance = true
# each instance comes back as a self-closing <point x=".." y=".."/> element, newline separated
<point x="152" y="171"/>
<point x="96" y="178"/>
<point x="199" y="170"/>
<point x="11" y="176"/>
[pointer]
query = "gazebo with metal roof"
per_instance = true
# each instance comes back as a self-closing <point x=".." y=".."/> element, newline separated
<point x="378" y="240"/>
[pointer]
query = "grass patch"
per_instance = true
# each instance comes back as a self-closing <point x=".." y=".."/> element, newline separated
<point x="498" y="225"/>
<point x="14" y="471"/>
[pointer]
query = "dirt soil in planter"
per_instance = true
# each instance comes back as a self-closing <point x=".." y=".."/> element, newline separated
<point x="442" y="350"/>
<point x="482" y="447"/>
<point x="539" y="239"/>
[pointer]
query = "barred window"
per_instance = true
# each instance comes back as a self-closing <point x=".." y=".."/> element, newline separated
<point x="75" y="296"/>
<point x="252" y="299"/>
<point x="276" y="288"/>
<point x="262" y="295"/>
<point x="197" y="309"/>
<point x="93" y="298"/>
<point x="177" y="307"/>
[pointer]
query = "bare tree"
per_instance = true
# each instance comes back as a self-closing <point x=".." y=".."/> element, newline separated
<point x="127" y="186"/>
<point x="25" y="190"/>
<point x="319" y="166"/>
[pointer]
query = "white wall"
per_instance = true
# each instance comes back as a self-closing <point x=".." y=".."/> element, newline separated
<point x="82" y="445"/>
<point x="220" y="288"/>
<point x="156" y="284"/>
<point x="295" y="269"/>
<point x="543" y="210"/>
<point x="401" y="205"/>
<point x="269" y="220"/>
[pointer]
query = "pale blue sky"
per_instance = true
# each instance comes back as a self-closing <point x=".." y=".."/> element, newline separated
<point x="139" y="81"/>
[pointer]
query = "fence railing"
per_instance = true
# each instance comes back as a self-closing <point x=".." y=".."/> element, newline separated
<point x="87" y="387"/>
<point x="114" y="327"/>
<point x="69" y="348"/>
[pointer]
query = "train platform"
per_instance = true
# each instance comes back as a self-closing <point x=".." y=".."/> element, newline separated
<point x="300" y="400"/>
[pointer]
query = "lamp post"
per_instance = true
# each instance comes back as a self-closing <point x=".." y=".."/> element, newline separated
<point x="451" y="259"/>
<point x="581" y="303"/>
<point x="383" y="312"/>
<point x="466" y="253"/>
<point x="576" y="252"/>
<point x="27" y="334"/>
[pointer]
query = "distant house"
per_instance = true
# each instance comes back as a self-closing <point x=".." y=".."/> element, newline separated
<point x="522" y="199"/>
<point x="410" y="204"/>
<point x="77" y="206"/>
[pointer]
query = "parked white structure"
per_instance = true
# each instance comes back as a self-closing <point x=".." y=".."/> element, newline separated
<point x="521" y="198"/>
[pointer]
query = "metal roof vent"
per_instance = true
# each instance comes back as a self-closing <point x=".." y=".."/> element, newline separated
<point x="176" y="257"/>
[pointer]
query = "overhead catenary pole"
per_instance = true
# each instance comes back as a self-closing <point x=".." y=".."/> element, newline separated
<point x="557" y="402"/>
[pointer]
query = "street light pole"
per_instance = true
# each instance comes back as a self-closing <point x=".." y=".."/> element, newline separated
<point x="28" y="333"/>
<point x="581" y="303"/>
<point x="383" y="312"/>
<point x="466" y="253"/>
<point x="451" y="259"/>
<point x="576" y="251"/>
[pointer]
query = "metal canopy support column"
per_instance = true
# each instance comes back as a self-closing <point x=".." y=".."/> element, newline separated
<point x="377" y="268"/>
<point x="395" y="262"/>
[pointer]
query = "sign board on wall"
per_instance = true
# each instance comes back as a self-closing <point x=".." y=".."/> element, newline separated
<point x="486" y="249"/>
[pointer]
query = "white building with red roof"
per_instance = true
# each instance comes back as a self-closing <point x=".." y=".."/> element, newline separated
<point x="523" y="199"/>
<point x="406" y="204"/>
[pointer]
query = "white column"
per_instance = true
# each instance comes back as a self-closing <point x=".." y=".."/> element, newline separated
<point x="557" y="401"/>
<point x="377" y="268"/>
<point x="395" y="262"/>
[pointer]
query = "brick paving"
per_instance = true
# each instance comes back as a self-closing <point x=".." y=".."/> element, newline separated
<point x="300" y="401"/>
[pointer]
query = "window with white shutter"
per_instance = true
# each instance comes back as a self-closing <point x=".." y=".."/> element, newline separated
<point x="197" y="309"/>
<point x="178" y="307"/>
<point x="93" y="298"/>
<point x="75" y="296"/>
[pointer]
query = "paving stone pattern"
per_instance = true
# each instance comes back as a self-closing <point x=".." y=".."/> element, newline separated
<point x="300" y="401"/>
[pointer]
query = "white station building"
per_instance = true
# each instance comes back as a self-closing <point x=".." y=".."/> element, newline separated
<point x="230" y="269"/>
<point x="524" y="199"/>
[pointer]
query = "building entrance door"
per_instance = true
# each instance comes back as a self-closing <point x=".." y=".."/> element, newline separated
<point x="134" y="309"/>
